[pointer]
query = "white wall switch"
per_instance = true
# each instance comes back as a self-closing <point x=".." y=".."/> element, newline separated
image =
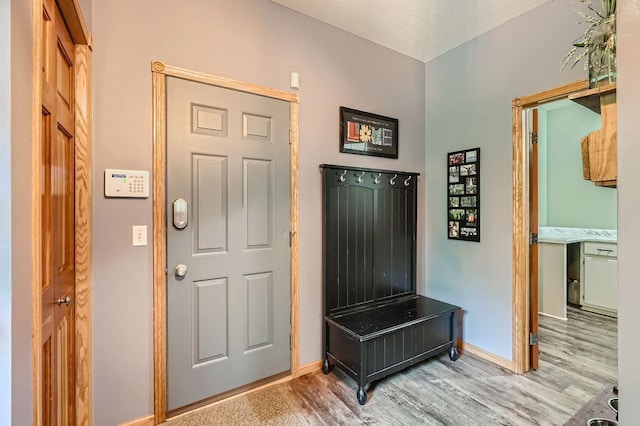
<point x="139" y="235"/>
<point x="126" y="183"/>
<point x="295" y="80"/>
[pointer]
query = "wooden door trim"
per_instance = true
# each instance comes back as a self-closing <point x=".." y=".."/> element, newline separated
<point x="74" y="19"/>
<point x="83" y="238"/>
<point x="521" y="220"/>
<point x="71" y="13"/>
<point x="160" y="73"/>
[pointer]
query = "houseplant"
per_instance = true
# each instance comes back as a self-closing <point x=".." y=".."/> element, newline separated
<point x="598" y="43"/>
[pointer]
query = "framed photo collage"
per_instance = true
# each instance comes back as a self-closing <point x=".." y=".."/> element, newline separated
<point x="463" y="189"/>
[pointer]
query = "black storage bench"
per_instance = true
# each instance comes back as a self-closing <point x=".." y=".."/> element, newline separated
<point x="375" y="323"/>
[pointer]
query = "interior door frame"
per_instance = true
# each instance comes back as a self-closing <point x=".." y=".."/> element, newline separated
<point x="160" y="73"/>
<point x="521" y="307"/>
<point x="81" y="38"/>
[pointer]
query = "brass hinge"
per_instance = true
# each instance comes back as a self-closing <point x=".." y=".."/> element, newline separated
<point x="533" y="339"/>
<point x="533" y="238"/>
<point x="533" y="137"/>
<point x="291" y="234"/>
<point x="290" y="137"/>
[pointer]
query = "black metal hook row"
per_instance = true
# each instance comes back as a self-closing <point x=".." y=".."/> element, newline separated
<point x="376" y="178"/>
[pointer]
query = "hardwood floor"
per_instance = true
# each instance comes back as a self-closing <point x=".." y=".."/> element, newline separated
<point x="578" y="357"/>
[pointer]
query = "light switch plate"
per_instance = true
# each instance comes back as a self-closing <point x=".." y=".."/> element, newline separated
<point x="139" y="235"/>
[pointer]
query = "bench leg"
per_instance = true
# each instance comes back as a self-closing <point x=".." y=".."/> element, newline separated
<point x="325" y="366"/>
<point x="361" y="395"/>
<point x="453" y="352"/>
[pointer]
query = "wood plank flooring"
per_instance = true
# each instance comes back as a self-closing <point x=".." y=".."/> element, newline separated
<point x="578" y="357"/>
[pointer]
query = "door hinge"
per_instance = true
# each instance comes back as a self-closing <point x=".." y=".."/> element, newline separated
<point x="533" y="137"/>
<point x="290" y="137"/>
<point x="533" y="339"/>
<point x="533" y="238"/>
<point x="290" y="342"/>
<point x="291" y="234"/>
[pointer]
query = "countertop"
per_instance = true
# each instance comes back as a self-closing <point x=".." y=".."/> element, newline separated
<point x="560" y="235"/>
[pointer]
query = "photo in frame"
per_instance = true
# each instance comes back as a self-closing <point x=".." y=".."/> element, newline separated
<point x="365" y="133"/>
<point x="463" y="193"/>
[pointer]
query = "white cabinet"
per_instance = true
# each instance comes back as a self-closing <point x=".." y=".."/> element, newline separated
<point x="600" y="291"/>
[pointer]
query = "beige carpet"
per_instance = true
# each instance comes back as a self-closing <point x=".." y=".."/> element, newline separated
<point x="266" y="407"/>
<point x="596" y="407"/>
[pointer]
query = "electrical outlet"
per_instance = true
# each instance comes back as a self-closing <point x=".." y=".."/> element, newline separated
<point x="139" y="235"/>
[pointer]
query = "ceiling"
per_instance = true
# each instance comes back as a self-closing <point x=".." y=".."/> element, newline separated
<point x="422" y="29"/>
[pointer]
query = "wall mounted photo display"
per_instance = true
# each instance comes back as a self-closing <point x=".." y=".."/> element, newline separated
<point x="365" y="133"/>
<point x="463" y="194"/>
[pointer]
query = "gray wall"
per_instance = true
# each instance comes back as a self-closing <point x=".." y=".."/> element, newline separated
<point x="21" y="231"/>
<point x="542" y="166"/>
<point x="572" y="201"/>
<point x="87" y="11"/>
<point x="468" y="101"/>
<point x="251" y="40"/>
<point x="527" y="67"/>
<point x="5" y="214"/>
<point x="628" y="207"/>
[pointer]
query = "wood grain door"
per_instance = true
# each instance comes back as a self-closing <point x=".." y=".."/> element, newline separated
<point x="58" y="220"/>
<point x="533" y="194"/>
<point x="228" y="254"/>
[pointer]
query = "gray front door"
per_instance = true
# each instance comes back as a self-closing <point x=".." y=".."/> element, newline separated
<point x="228" y="222"/>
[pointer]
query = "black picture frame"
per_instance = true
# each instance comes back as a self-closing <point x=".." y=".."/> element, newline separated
<point x="365" y="133"/>
<point x="463" y="195"/>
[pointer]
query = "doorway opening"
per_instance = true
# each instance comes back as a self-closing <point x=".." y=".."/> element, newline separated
<point x="527" y="252"/>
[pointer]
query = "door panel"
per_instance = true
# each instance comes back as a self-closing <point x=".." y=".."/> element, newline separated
<point x="259" y="308"/>
<point x="210" y="316"/>
<point x="64" y="384"/>
<point x="257" y="197"/>
<point x="210" y="178"/>
<point x="228" y="318"/>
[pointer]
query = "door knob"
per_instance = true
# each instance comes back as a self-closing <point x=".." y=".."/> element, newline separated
<point x="180" y="270"/>
<point x="66" y="300"/>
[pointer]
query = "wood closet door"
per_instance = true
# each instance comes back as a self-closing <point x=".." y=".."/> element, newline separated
<point x="58" y="220"/>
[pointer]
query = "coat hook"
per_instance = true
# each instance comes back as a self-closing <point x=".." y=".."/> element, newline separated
<point x="406" y="182"/>
<point x="376" y="179"/>
<point x="341" y="178"/>
<point x="359" y="180"/>
<point x="392" y="181"/>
